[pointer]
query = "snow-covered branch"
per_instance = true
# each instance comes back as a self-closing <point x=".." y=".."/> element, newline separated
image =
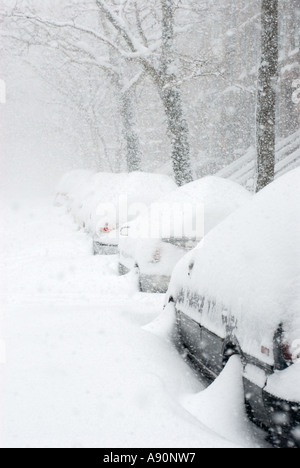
<point x="69" y="25"/>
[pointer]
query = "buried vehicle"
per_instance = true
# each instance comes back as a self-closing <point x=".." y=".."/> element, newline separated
<point x="129" y="197"/>
<point x="100" y="188"/>
<point x="69" y="186"/>
<point x="157" y="240"/>
<point x="238" y="293"/>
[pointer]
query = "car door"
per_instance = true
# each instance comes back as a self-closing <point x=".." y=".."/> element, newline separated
<point x="190" y="334"/>
<point x="212" y="347"/>
<point x="211" y="343"/>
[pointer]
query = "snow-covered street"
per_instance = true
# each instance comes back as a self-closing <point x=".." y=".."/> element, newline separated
<point x="80" y="370"/>
<point x="150" y="225"/>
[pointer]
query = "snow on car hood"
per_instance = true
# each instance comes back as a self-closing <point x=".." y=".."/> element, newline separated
<point x="250" y="265"/>
<point x="285" y="384"/>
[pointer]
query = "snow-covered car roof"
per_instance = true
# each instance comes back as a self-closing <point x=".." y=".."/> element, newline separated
<point x="70" y="183"/>
<point x="101" y="188"/>
<point x="217" y="198"/>
<point x="250" y="266"/>
<point x="105" y="190"/>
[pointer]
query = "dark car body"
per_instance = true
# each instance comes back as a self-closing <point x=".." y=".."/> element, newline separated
<point x="209" y="352"/>
<point x="238" y="293"/>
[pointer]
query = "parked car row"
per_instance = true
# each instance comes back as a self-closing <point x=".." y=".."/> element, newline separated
<point x="238" y="293"/>
<point x="100" y="202"/>
<point x="230" y="264"/>
<point x="198" y="207"/>
<point x="145" y="219"/>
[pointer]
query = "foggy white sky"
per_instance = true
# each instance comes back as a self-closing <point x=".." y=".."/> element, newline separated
<point x="36" y="149"/>
<point x="42" y="137"/>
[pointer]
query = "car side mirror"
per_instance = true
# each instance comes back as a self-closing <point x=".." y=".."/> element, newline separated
<point x="124" y="231"/>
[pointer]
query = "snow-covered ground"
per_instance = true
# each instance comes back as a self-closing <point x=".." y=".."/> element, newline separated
<point x="80" y="369"/>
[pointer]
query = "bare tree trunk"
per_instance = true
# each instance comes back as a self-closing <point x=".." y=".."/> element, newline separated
<point x="266" y="106"/>
<point x="131" y="137"/>
<point x="179" y="133"/>
<point x="126" y="107"/>
<point x="166" y="82"/>
<point x="171" y="97"/>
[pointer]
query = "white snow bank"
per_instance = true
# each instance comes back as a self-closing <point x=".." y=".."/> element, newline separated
<point x="200" y="206"/>
<point x="219" y="198"/>
<point x="286" y="384"/>
<point x="163" y="325"/>
<point x="99" y="200"/>
<point x="250" y="265"/>
<point x="81" y="372"/>
<point x="108" y="198"/>
<point x="70" y="184"/>
<point x="221" y="406"/>
<point x="188" y="212"/>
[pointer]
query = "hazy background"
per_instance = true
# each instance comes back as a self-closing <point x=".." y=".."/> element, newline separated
<point x="45" y="133"/>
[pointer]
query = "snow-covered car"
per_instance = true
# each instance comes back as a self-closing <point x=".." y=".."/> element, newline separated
<point x="70" y="185"/>
<point x="192" y="211"/>
<point x="101" y="192"/>
<point x="239" y="293"/>
<point x="128" y="198"/>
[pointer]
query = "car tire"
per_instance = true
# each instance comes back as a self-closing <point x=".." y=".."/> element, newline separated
<point x="121" y="270"/>
<point x="231" y="348"/>
<point x="250" y="414"/>
<point x="94" y="250"/>
<point x="138" y="274"/>
<point x="176" y="337"/>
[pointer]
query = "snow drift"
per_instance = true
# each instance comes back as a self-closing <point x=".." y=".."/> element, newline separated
<point x="103" y="199"/>
<point x="187" y="213"/>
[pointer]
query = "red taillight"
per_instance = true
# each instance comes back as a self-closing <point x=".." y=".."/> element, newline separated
<point x="265" y="351"/>
<point x="287" y="353"/>
<point x="106" y="229"/>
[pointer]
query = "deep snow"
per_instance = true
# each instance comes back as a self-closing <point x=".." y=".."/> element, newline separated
<point x="97" y="200"/>
<point x="189" y="212"/>
<point x="81" y="371"/>
<point x="249" y="266"/>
